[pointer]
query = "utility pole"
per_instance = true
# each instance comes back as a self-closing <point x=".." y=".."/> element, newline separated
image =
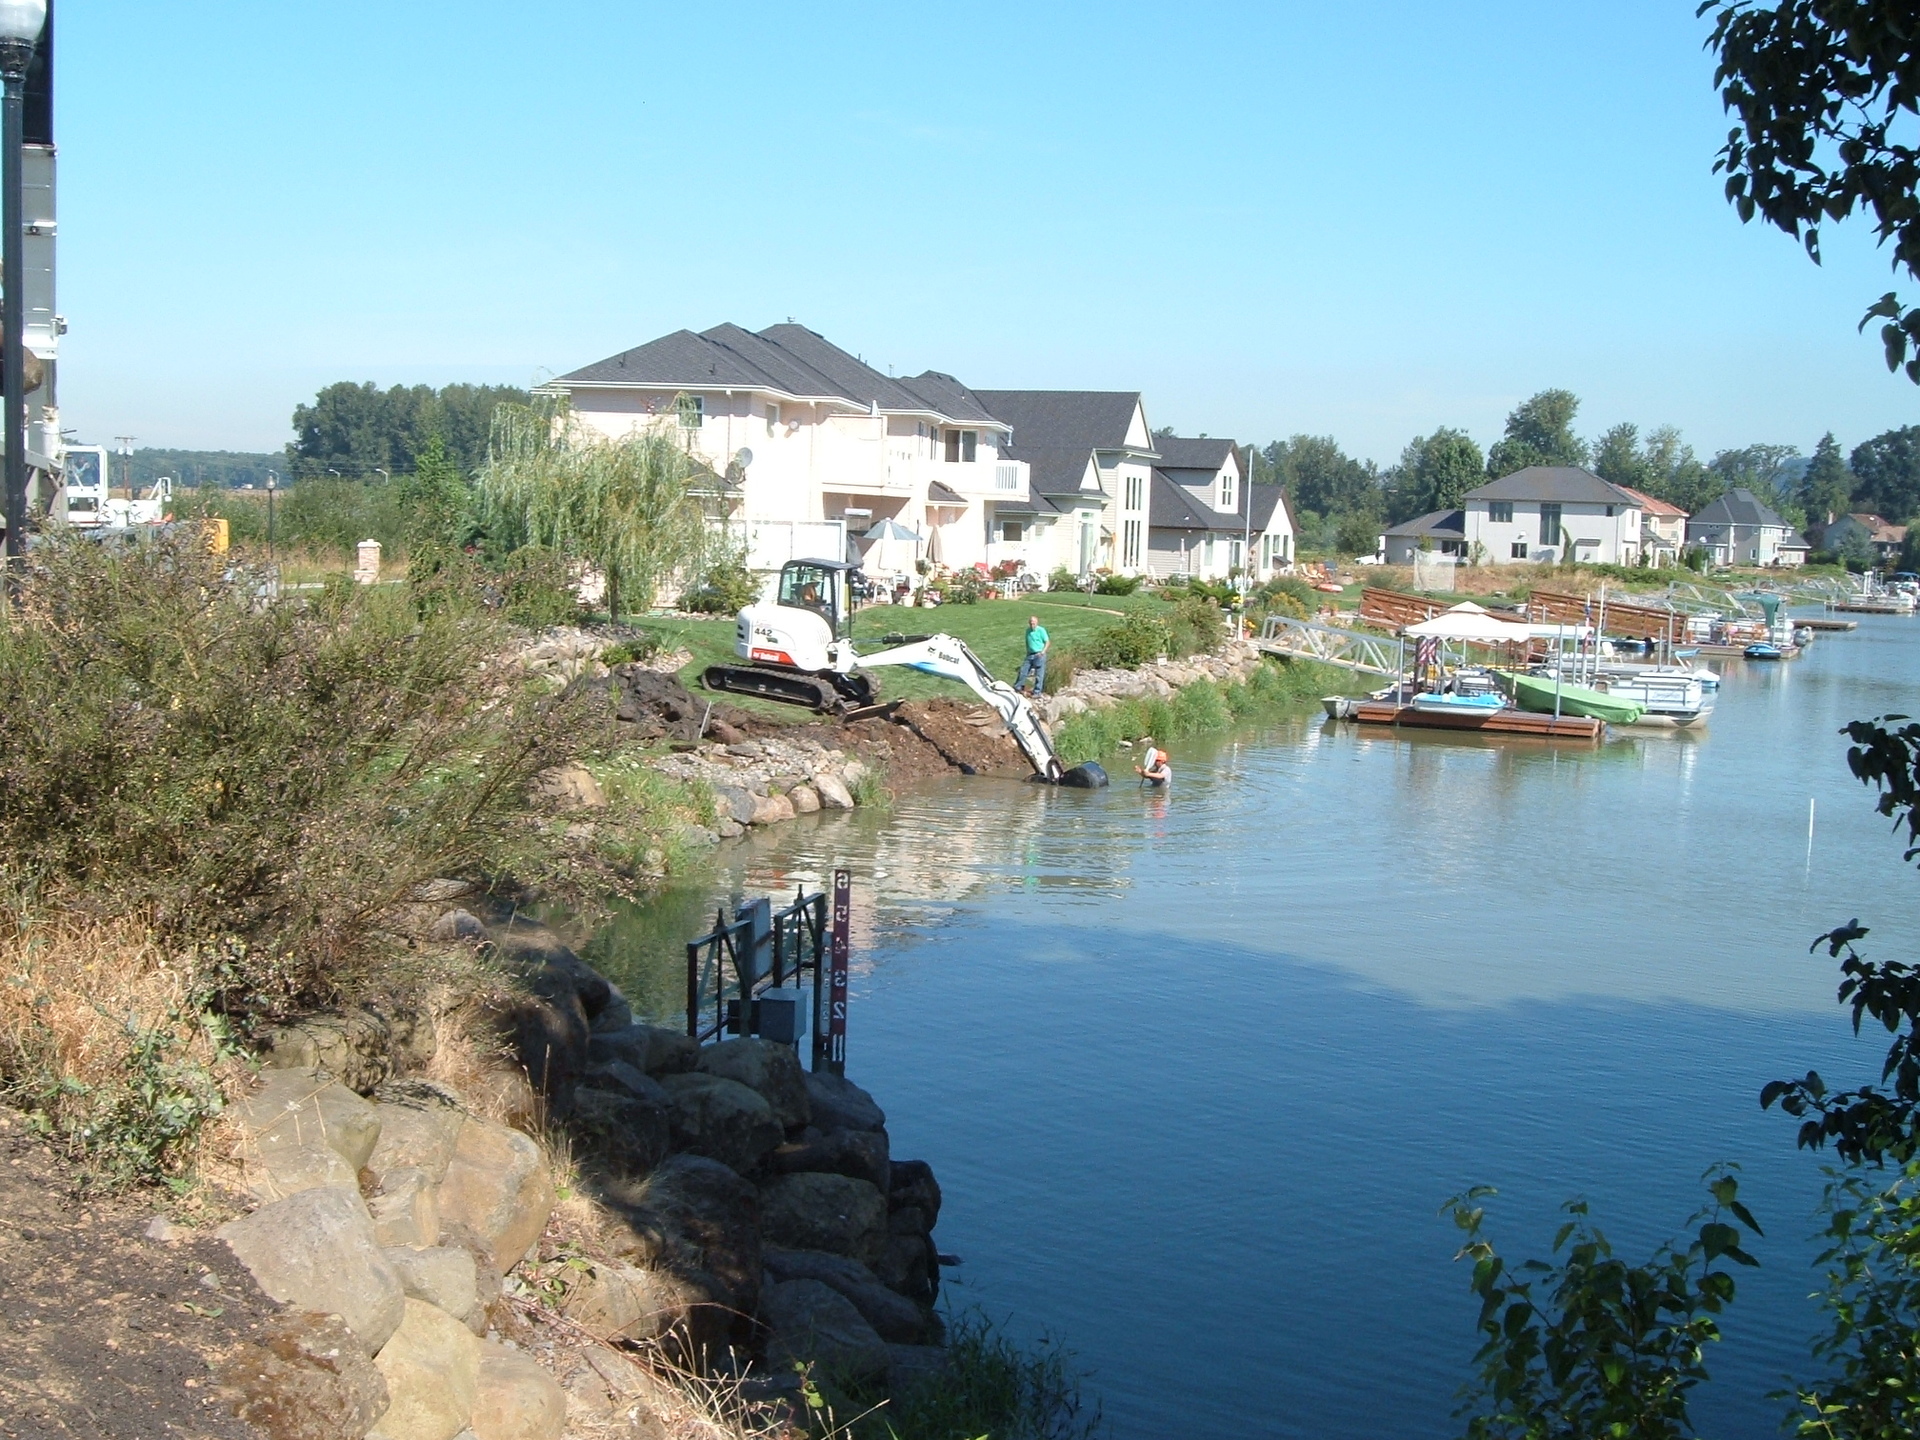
<point x="20" y="26"/>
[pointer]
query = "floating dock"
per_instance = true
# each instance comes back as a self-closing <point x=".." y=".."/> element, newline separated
<point x="1802" y="622"/>
<point x="1858" y="606"/>
<point x="1493" y="722"/>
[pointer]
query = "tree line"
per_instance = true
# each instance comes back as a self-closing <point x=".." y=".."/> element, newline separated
<point x="1341" y="502"/>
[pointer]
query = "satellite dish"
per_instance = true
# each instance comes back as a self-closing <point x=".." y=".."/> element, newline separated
<point x="743" y="457"/>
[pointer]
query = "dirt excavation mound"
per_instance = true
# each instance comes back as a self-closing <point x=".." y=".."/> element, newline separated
<point x="924" y="738"/>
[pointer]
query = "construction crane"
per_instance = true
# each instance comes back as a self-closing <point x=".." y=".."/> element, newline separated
<point x="797" y="645"/>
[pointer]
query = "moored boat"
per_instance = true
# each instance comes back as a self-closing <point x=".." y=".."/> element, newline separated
<point x="1546" y="696"/>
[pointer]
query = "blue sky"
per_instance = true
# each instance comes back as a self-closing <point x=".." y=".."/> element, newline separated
<point x="1367" y="221"/>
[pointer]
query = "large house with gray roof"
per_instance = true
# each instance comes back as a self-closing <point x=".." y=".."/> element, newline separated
<point x="811" y="447"/>
<point x="1741" y="529"/>
<point x="1549" y="514"/>
<point x="1204" y="515"/>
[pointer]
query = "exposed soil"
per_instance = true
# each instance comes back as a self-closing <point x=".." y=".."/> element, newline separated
<point x="105" y="1332"/>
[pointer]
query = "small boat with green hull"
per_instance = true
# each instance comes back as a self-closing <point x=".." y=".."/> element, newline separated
<point x="1545" y="696"/>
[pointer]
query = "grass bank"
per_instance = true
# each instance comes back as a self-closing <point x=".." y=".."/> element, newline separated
<point x="1277" y="687"/>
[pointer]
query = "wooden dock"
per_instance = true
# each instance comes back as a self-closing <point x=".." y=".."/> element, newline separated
<point x="1869" y="607"/>
<point x="1494" y="722"/>
<point x="1802" y="622"/>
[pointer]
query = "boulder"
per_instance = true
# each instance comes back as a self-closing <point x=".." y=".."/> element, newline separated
<point x="445" y="1277"/>
<point x="650" y="1049"/>
<point x="456" y="925"/>
<point x="734" y="804"/>
<point x="625" y="1133"/>
<point x="498" y="1186"/>
<point x="629" y="1302"/>
<point x="406" y="1208"/>
<point x="570" y="787"/>
<point x="721" y="1119"/>
<point x="834" y="1213"/>
<point x="300" y="1130"/>
<point x="861" y="1154"/>
<point x="893" y="1317"/>
<point x="623" y="1079"/>
<point x="813" y="1322"/>
<point x="419" y="1125"/>
<point x="697" y="1220"/>
<point x="839" y="1104"/>
<point x="911" y="1366"/>
<point x="617" y="1013"/>
<point x="316" y="1250"/>
<point x="911" y="1185"/>
<point x="769" y="1069"/>
<point x="804" y="799"/>
<point x="908" y="1265"/>
<point x="304" y="1376"/>
<point x="432" y="1370"/>
<point x="832" y="791"/>
<point x="771" y="810"/>
<point x="360" y="1047"/>
<point x="516" y="1399"/>
<point x="548" y="1036"/>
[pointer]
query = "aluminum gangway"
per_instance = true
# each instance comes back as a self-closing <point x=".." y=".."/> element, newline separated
<point x="1349" y="649"/>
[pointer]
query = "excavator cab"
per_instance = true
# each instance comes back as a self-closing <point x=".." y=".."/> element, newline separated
<point x="820" y="586"/>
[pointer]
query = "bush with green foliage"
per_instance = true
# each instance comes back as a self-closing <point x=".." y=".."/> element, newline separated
<point x="1195" y="627"/>
<point x="1590" y="1345"/>
<point x="1136" y="640"/>
<point x="725" y="588"/>
<point x="1118" y="584"/>
<point x="1062" y="579"/>
<point x="967" y="587"/>
<point x="265" y="775"/>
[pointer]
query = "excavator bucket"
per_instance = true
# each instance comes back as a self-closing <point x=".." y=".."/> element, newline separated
<point x="1085" y="777"/>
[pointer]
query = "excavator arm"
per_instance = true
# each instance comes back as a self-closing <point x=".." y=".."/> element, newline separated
<point x="945" y="656"/>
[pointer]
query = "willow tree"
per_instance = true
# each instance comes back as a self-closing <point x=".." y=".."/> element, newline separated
<point x="624" y="506"/>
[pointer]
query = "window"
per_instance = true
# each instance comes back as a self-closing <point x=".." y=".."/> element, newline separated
<point x="1549" y="524"/>
<point x="1136" y="487"/>
<point x="1130" y="544"/>
<point x="953" y="447"/>
<point x="1519" y="551"/>
<point x="1500" y="512"/>
<point x="1013" y="531"/>
<point x="692" y="410"/>
<point x="1233" y="554"/>
<point x="807" y="587"/>
<point x="773" y="418"/>
<point x="1006" y="477"/>
<point x="962" y="446"/>
<point x="1610" y="512"/>
<point x="1226" y="492"/>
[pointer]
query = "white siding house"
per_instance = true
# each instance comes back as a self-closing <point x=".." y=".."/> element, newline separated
<point x="815" y="446"/>
<point x="1205" y="516"/>
<point x="1550" y="514"/>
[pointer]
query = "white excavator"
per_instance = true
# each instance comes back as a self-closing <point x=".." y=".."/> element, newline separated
<point x="796" y="645"/>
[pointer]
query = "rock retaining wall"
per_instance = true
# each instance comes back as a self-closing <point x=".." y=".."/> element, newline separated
<point x="740" y="1213"/>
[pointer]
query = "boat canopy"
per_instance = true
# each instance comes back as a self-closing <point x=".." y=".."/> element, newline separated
<point x="1471" y="623"/>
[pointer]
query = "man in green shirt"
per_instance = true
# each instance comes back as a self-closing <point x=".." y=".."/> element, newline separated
<point x="1036" y="662"/>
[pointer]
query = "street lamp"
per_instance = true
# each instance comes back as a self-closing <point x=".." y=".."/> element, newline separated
<point x="273" y="482"/>
<point x="20" y="24"/>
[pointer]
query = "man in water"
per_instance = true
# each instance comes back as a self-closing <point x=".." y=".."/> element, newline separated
<point x="1153" y="767"/>
<point x="1036" y="662"/>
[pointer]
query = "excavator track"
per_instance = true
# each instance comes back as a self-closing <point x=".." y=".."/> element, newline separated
<point x="789" y="687"/>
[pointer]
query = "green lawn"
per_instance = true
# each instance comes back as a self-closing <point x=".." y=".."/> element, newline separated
<point x="995" y="630"/>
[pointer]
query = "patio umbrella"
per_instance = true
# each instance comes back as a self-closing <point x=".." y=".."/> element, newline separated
<point x="889" y="548"/>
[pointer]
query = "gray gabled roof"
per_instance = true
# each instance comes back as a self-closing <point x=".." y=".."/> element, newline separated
<point x="1171" y="505"/>
<point x="1056" y="431"/>
<point x="784" y="359"/>
<point x="1447" y="524"/>
<point x="1178" y="452"/>
<point x="1555" y="484"/>
<point x="1737" y="507"/>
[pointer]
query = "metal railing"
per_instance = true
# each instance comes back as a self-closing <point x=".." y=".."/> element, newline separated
<point x="1349" y="649"/>
<point x="732" y="966"/>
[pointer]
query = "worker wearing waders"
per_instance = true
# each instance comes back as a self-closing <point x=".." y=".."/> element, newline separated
<point x="1035" y="663"/>
<point x="1153" y="767"/>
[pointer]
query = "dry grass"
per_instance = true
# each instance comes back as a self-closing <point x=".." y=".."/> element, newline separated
<point x="104" y="1046"/>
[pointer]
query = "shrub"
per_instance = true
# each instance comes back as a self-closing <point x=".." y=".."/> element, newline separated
<point x="1126" y="646"/>
<point x="1195" y="627"/>
<point x="261" y="776"/>
<point x="727" y="588"/>
<point x="1062" y="579"/>
<point x="538" y="589"/>
<point x="1118" y="584"/>
<point x="641" y="645"/>
<point x="1358" y="534"/>
<point x="968" y="587"/>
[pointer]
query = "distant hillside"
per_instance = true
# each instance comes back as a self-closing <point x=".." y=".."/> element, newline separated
<point x="228" y="469"/>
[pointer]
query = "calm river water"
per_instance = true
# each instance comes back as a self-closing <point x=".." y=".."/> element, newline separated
<point x="1197" y="1071"/>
